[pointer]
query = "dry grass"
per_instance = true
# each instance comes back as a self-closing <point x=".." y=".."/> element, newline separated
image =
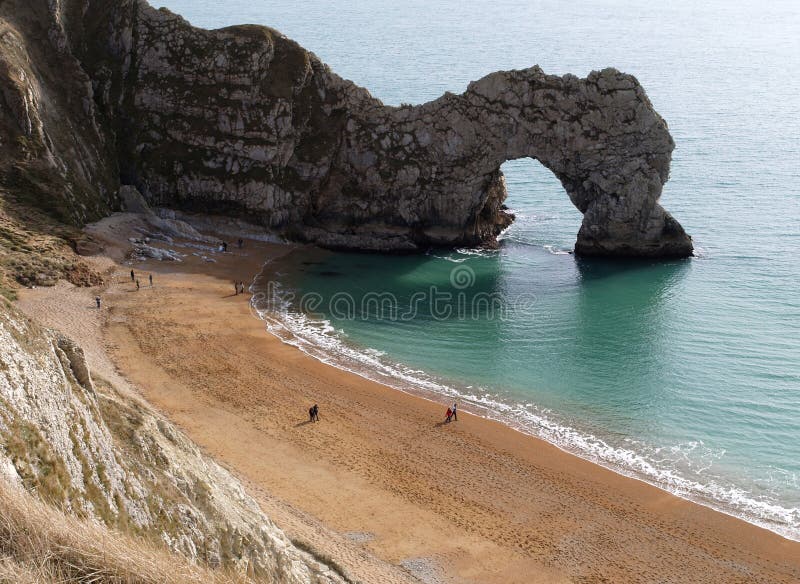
<point x="37" y="250"/>
<point x="13" y="572"/>
<point x="40" y="544"/>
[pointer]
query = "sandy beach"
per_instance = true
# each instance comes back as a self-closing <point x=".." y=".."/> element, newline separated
<point x="380" y="484"/>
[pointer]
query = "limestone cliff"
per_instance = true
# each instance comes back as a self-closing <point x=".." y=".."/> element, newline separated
<point x="93" y="451"/>
<point x="243" y="121"/>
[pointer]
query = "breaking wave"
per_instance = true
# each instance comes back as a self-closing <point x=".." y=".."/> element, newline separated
<point x="681" y="469"/>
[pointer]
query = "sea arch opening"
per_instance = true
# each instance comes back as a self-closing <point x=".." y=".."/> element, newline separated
<point x="544" y="213"/>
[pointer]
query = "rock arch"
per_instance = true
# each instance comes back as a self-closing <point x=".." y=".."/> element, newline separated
<point x="599" y="136"/>
<point x="244" y="121"/>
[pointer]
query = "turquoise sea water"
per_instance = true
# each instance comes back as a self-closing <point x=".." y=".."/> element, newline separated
<point x="684" y="373"/>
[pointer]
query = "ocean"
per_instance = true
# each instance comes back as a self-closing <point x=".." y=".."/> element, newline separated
<point x="685" y="374"/>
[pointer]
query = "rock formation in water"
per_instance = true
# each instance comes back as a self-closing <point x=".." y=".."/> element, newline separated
<point x="242" y="121"/>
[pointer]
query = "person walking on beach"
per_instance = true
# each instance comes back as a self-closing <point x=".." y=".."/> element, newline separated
<point x="240" y="243"/>
<point x="133" y="276"/>
<point x="151" y="280"/>
<point x="448" y="416"/>
<point x="316" y="412"/>
<point x="455" y="412"/>
<point x="311" y="414"/>
<point x="241" y="287"/>
<point x="97" y="301"/>
<point x="236" y="287"/>
<point x="137" y="284"/>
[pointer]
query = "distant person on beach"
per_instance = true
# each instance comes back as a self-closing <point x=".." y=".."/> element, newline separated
<point x="448" y="415"/>
<point x="455" y="412"/>
<point x="137" y="284"/>
<point x="311" y="414"/>
<point x="133" y="276"/>
<point x="97" y="300"/>
<point x="224" y="246"/>
<point x="151" y="280"/>
<point x="240" y="243"/>
<point x="315" y="409"/>
<point x="236" y="287"/>
<point x="241" y="287"/>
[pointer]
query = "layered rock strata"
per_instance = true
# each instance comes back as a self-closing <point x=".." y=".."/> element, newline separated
<point x="243" y="121"/>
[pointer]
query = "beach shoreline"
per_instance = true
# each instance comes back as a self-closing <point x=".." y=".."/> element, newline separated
<point x="470" y="501"/>
<point x="304" y="333"/>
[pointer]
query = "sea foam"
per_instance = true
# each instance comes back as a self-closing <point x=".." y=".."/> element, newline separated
<point x="677" y="469"/>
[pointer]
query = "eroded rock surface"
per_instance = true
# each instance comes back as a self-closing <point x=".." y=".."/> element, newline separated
<point x="242" y="121"/>
<point x="91" y="450"/>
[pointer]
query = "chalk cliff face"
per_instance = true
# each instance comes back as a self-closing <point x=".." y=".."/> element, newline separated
<point x="243" y="121"/>
<point x="93" y="451"/>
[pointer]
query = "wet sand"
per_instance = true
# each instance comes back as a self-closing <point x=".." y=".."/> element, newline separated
<point x="380" y="475"/>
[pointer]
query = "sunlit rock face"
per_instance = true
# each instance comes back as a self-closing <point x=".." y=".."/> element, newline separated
<point x="244" y="121"/>
<point x="95" y="451"/>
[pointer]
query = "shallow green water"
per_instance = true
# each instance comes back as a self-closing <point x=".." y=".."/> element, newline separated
<point x="684" y="373"/>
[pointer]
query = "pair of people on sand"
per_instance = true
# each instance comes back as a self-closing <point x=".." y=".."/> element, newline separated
<point x="452" y="413"/>
<point x="313" y="413"/>
<point x="136" y="280"/>
<point x="238" y="287"/>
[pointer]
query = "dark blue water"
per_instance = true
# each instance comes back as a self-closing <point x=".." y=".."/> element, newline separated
<point x="684" y="373"/>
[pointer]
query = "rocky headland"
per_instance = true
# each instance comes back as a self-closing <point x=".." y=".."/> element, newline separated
<point x="244" y="122"/>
